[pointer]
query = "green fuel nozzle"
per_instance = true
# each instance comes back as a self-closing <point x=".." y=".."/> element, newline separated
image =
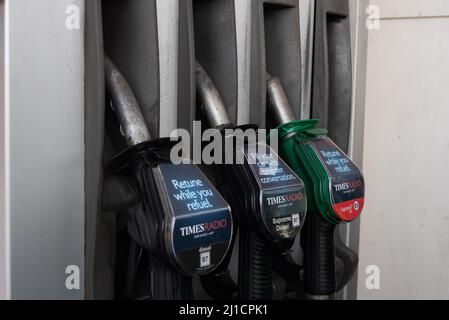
<point x="334" y="185"/>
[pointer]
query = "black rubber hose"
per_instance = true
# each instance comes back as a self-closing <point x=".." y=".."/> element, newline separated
<point x="348" y="258"/>
<point x="255" y="275"/>
<point x="317" y="240"/>
<point x="168" y="284"/>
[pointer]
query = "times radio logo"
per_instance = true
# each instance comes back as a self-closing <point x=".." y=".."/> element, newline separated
<point x="297" y="196"/>
<point x="348" y="185"/>
<point x="204" y="227"/>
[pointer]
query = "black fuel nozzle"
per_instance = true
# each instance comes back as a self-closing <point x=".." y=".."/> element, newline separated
<point x="268" y="199"/>
<point x="335" y="190"/>
<point x="182" y="220"/>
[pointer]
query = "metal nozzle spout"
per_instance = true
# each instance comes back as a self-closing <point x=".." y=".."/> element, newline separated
<point x="278" y="101"/>
<point x="212" y="102"/>
<point x="125" y="105"/>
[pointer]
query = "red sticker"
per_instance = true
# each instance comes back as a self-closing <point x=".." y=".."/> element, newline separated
<point x="349" y="210"/>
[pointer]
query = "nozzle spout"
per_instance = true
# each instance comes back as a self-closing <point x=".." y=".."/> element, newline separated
<point x="212" y="102"/>
<point x="125" y="105"/>
<point x="278" y="102"/>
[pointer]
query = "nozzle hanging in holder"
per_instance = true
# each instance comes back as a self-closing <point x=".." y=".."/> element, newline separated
<point x="125" y="105"/>
<point x="278" y="101"/>
<point x="213" y="105"/>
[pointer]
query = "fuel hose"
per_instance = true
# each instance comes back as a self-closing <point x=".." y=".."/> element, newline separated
<point x="317" y="238"/>
<point x="166" y="283"/>
<point x="335" y="189"/>
<point x="255" y="274"/>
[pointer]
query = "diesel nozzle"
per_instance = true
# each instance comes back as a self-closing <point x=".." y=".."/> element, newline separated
<point x="335" y="189"/>
<point x="125" y="105"/>
<point x="181" y="220"/>
<point x="267" y="197"/>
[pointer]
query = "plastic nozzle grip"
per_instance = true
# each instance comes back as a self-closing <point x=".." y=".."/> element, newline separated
<point x="317" y="241"/>
<point x="255" y="274"/>
<point x="169" y="284"/>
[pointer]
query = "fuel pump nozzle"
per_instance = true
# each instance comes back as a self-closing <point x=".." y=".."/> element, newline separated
<point x="181" y="220"/>
<point x="213" y="105"/>
<point x="125" y="105"/>
<point x="269" y="201"/>
<point x="283" y="113"/>
<point x="325" y="169"/>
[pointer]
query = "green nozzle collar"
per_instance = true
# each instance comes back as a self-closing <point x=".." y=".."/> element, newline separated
<point x="300" y="126"/>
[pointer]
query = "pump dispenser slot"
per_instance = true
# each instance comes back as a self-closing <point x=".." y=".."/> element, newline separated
<point x="131" y="41"/>
<point x="186" y="66"/>
<point x="283" y="48"/>
<point x="215" y="48"/>
<point x="332" y="76"/>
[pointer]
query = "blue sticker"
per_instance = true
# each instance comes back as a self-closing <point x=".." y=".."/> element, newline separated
<point x="201" y="230"/>
<point x="283" y="198"/>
